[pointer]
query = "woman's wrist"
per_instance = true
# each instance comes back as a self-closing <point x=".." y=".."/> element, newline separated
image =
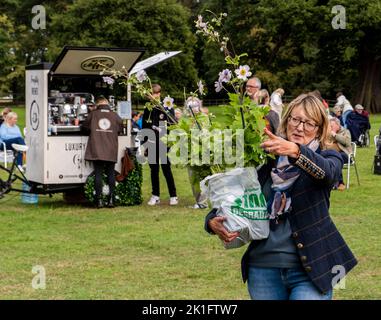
<point x="295" y="152"/>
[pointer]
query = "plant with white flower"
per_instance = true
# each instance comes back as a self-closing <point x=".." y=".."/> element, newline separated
<point x="140" y="83"/>
<point x="108" y="80"/>
<point x="242" y="112"/>
<point x="243" y="72"/>
<point x="208" y="29"/>
<point x="141" y="76"/>
<point x="168" y="102"/>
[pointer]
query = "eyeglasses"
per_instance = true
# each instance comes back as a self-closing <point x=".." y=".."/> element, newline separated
<point x="249" y="86"/>
<point x="307" y="126"/>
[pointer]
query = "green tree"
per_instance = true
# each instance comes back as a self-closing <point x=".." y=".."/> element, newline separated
<point x="360" y="47"/>
<point x="7" y="54"/>
<point x="27" y="46"/>
<point x="160" y="25"/>
<point x="294" y="45"/>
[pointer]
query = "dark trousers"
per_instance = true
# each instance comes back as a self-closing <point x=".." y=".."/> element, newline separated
<point x="166" y="168"/>
<point x="345" y="159"/>
<point x="18" y="140"/>
<point x="108" y="168"/>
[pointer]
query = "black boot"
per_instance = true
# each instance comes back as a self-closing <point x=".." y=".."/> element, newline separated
<point x="111" y="201"/>
<point x="99" y="203"/>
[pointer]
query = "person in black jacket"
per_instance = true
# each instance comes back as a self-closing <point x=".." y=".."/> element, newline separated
<point x="304" y="255"/>
<point x="152" y="119"/>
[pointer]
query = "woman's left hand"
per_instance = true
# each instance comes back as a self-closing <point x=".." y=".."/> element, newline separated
<point x="279" y="146"/>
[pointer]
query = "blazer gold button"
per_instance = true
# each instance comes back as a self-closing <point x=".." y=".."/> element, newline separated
<point x="308" y="269"/>
<point x="300" y="245"/>
<point x="295" y="234"/>
<point x="303" y="258"/>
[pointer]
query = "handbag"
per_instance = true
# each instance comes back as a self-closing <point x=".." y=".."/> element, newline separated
<point x="127" y="167"/>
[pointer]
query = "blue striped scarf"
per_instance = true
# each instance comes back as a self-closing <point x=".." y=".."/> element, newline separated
<point x="283" y="176"/>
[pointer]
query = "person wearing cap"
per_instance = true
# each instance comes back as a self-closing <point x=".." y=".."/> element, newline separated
<point x="358" y="124"/>
<point x="360" y="110"/>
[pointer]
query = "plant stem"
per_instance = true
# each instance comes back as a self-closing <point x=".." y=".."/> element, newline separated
<point x="241" y="110"/>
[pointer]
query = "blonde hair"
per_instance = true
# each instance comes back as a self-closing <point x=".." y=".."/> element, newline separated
<point x="10" y="115"/>
<point x="263" y="97"/>
<point x="193" y="102"/>
<point x="101" y="101"/>
<point x="280" y="91"/>
<point x="314" y="110"/>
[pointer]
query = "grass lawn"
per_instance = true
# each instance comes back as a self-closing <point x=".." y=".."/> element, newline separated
<point x="162" y="253"/>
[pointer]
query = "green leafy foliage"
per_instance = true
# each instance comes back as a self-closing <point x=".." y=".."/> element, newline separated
<point x="127" y="193"/>
<point x="157" y="26"/>
<point x="289" y="44"/>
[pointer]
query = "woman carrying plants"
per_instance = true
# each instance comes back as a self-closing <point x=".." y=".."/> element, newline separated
<point x="304" y="255"/>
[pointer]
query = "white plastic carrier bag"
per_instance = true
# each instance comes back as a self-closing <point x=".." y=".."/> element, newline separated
<point x="237" y="195"/>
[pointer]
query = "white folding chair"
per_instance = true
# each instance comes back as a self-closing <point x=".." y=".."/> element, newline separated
<point x="352" y="162"/>
<point x="375" y="139"/>
<point x="6" y="156"/>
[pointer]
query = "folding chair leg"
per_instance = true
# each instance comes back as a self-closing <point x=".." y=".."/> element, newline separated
<point x="348" y="171"/>
<point x="357" y="175"/>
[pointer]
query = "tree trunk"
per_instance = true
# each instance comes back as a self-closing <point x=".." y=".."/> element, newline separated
<point x="369" y="88"/>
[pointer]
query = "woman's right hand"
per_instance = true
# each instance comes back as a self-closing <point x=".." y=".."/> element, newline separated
<point x="216" y="225"/>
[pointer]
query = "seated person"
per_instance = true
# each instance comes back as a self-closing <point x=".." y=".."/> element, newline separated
<point x="340" y="141"/>
<point x="10" y="133"/>
<point x="360" y="110"/>
<point x="337" y="113"/>
<point x="345" y="106"/>
<point x="358" y="123"/>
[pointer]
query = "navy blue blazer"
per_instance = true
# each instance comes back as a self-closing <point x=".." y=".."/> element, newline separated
<point x="320" y="246"/>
